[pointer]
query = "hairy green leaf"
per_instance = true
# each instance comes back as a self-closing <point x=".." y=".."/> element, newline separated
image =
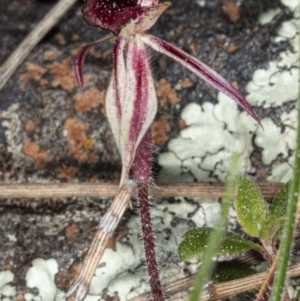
<point x="251" y="209"/>
<point x="227" y="271"/>
<point x="278" y="206"/>
<point x="195" y="243"/>
<point x="270" y="233"/>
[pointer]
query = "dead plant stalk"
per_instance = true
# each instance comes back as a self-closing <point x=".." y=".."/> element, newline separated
<point x="70" y="190"/>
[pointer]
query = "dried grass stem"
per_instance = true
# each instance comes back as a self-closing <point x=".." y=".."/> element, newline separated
<point x="221" y="290"/>
<point x="67" y="190"/>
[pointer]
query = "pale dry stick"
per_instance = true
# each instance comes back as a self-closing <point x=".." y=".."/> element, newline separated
<point x="265" y="288"/>
<point x="67" y="190"/>
<point x="105" y="229"/>
<point x="33" y="38"/>
<point x="220" y="290"/>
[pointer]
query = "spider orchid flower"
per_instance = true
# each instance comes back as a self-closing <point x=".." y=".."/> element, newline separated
<point x="131" y="102"/>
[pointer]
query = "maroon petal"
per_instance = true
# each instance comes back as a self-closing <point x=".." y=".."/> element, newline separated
<point x="111" y="15"/>
<point x="139" y="103"/>
<point x="80" y="57"/>
<point x="202" y="70"/>
<point x="131" y="102"/>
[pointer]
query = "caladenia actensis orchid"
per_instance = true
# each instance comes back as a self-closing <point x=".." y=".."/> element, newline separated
<point x="131" y="105"/>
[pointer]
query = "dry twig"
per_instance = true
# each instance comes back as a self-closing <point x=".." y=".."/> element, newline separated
<point x="220" y="290"/>
<point x="106" y="228"/>
<point x="266" y="286"/>
<point x="67" y="190"/>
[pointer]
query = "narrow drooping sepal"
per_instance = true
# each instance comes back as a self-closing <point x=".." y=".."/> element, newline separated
<point x="80" y="57"/>
<point x="131" y="102"/>
<point x="200" y="69"/>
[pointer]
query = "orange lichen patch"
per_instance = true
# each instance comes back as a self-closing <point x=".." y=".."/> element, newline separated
<point x="93" y="179"/>
<point x="112" y="242"/>
<point x="67" y="172"/>
<point x="166" y="93"/>
<point x="93" y="158"/>
<point x="30" y="125"/>
<point x="33" y="150"/>
<point x="72" y="274"/>
<point x="35" y="72"/>
<point x="235" y="84"/>
<point x="60" y="39"/>
<point x="62" y="279"/>
<point x="91" y="99"/>
<point x="181" y="124"/>
<point x="71" y="230"/>
<point x="51" y="54"/>
<point x="77" y="140"/>
<point x="193" y="50"/>
<point x="160" y="128"/>
<point x="102" y="54"/>
<point x="231" y="10"/>
<point x="74" y="37"/>
<point x="221" y="40"/>
<point x="64" y="75"/>
<point x="20" y="298"/>
<point x="232" y="48"/>
<point x="186" y="83"/>
<point x="179" y="29"/>
<point x="96" y="53"/>
<point x="8" y="267"/>
<point x="74" y="52"/>
<point x="76" y="134"/>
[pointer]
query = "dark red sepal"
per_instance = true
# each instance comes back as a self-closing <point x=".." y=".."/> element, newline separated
<point x="111" y="15"/>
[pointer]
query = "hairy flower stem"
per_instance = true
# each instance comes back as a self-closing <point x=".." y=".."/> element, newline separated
<point x="142" y="172"/>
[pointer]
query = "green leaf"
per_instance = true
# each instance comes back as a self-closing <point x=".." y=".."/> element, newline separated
<point x="251" y="209"/>
<point x="195" y="243"/>
<point x="227" y="271"/>
<point x="271" y="232"/>
<point x="278" y="206"/>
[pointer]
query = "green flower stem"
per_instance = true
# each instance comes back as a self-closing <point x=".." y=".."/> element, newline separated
<point x="288" y="228"/>
<point x="215" y="239"/>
